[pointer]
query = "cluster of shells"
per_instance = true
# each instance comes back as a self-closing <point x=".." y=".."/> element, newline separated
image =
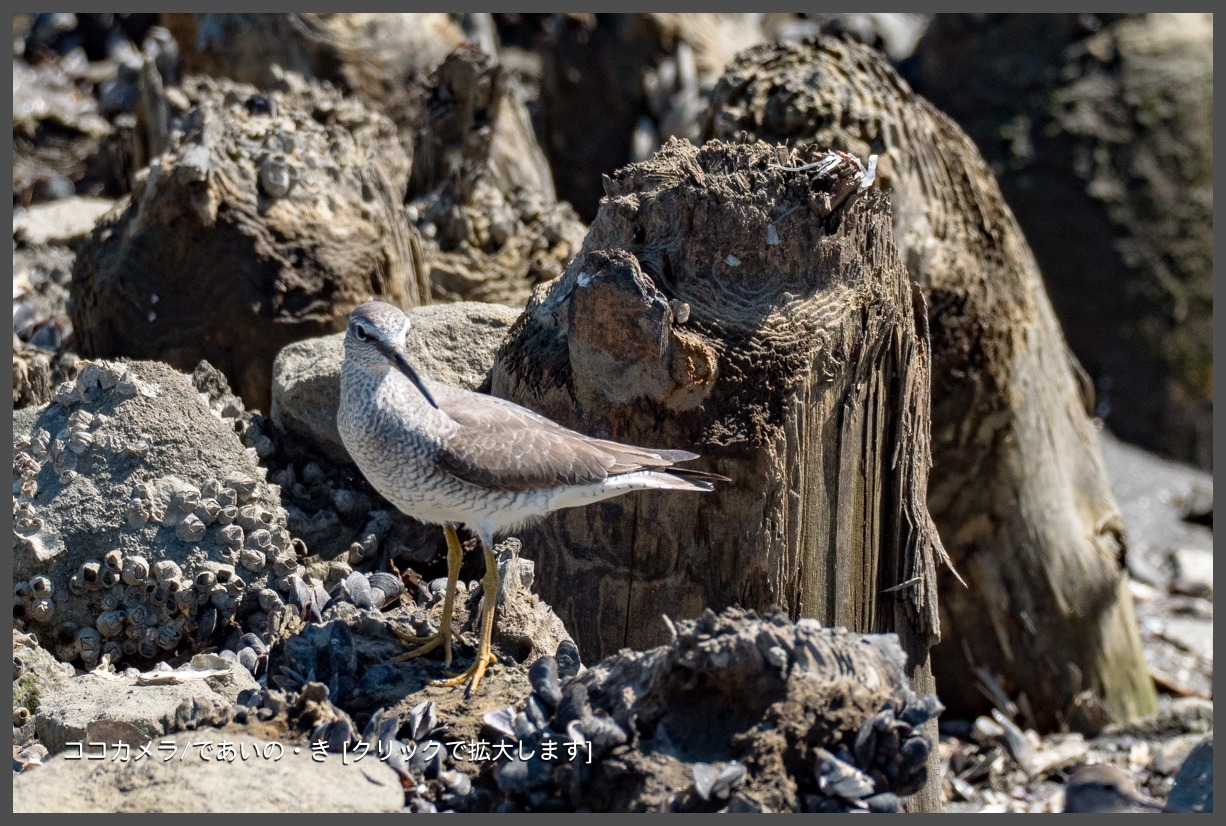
<point x="139" y="605"/>
<point x="315" y="131"/>
<point x="314" y="675"/>
<point x="870" y="768"/>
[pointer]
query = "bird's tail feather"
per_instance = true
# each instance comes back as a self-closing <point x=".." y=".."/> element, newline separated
<point x="685" y="479"/>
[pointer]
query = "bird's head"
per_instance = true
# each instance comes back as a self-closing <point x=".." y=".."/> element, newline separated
<point x="374" y="342"/>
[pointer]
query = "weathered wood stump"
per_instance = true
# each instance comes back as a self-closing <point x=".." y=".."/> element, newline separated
<point x="267" y="220"/>
<point x="760" y="317"/>
<point x="32" y="383"/>
<point x="57" y="131"/>
<point x="1104" y="126"/>
<point x="1018" y="489"/>
<point x="481" y="192"/>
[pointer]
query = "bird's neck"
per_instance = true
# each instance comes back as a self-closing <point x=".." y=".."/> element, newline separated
<point x="389" y="389"/>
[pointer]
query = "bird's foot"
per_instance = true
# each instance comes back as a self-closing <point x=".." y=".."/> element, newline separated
<point x="472" y="675"/>
<point x="425" y="645"/>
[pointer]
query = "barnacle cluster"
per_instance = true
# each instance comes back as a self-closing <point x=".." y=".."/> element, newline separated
<point x="187" y="557"/>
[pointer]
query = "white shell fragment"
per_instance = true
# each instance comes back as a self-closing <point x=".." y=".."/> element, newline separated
<point x="200" y="667"/>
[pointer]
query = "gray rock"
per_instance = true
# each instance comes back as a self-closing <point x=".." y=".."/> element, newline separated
<point x="116" y="708"/>
<point x="453" y="343"/>
<point x="526" y="623"/>
<point x="1193" y="789"/>
<point x="1151" y="493"/>
<point x="107" y="479"/>
<point x="25" y="418"/>
<point x="294" y="783"/>
<point x="61" y="221"/>
<point x="233" y="683"/>
<point x="1169" y="754"/>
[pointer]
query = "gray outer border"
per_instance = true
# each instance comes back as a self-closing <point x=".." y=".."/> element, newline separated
<point x="6" y="559"/>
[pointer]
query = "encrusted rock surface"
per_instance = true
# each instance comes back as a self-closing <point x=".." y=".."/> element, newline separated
<point x="269" y="216"/>
<point x="143" y="525"/>
<point x="36" y="674"/>
<point x="133" y="708"/>
<point x="738" y="713"/>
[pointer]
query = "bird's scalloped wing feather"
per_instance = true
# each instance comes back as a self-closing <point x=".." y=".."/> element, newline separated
<point x="502" y="446"/>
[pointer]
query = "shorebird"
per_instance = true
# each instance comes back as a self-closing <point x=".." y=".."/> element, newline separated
<point x="449" y="456"/>
<point x="1104" y="788"/>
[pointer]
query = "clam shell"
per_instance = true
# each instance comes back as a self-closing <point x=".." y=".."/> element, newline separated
<point x="543" y="674"/>
<point x="357" y="586"/>
<point x="390" y="585"/>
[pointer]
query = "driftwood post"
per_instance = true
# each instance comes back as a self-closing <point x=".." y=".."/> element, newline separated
<point x="762" y="318"/>
<point x="1018" y="488"/>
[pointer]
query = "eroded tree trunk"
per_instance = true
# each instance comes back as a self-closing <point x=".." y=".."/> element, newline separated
<point x="762" y="318"/>
<point x="481" y="192"/>
<point x="1108" y="131"/>
<point x="1018" y="488"/>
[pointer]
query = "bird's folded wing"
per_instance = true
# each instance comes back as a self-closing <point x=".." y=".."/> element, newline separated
<point x="502" y="446"/>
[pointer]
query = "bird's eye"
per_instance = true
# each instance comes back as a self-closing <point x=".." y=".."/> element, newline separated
<point x="360" y="332"/>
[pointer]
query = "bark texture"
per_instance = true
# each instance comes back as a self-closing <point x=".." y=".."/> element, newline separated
<point x="481" y="191"/>
<point x="760" y="317"/>
<point x="1018" y="489"/>
<point x="267" y="220"/>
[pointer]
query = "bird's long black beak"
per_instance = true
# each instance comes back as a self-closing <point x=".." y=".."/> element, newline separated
<point x="402" y="364"/>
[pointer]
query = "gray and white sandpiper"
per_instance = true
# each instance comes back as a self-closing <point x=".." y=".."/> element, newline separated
<point x="449" y="456"/>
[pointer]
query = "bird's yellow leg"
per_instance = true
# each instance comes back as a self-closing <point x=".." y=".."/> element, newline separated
<point x="455" y="555"/>
<point x="473" y="675"/>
